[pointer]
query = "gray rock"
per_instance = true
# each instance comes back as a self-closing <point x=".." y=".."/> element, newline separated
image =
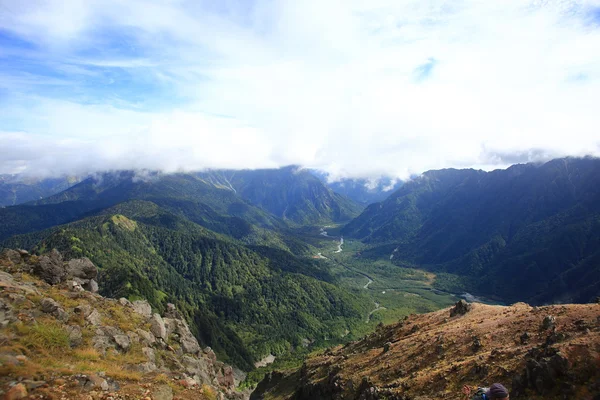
<point x="6" y="314"/>
<point x="92" y="286"/>
<point x="81" y="268"/>
<point x="49" y="306"/>
<point x="83" y="310"/>
<point x="101" y="343"/>
<point x="170" y="325"/>
<point x="189" y="345"/>
<point x="146" y="337"/>
<point x="76" y="286"/>
<point x="75" y="335"/>
<point x="200" y="368"/>
<point x="149" y="353"/>
<point x="145" y="368"/>
<point x="122" y="342"/>
<point x="133" y="337"/>
<point x="157" y="326"/>
<point x="94" y="318"/>
<point x="143" y="308"/>
<point x="50" y="268"/>
<point x="163" y="392"/>
<point x="13" y="255"/>
<point x="124" y="302"/>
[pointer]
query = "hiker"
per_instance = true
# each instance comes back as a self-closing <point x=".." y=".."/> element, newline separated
<point x="495" y="392"/>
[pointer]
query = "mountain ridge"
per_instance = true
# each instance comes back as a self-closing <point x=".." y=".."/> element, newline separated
<point x="478" y="225"/>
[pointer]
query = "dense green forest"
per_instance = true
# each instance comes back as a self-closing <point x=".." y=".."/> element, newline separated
<point x="245" y="302"/>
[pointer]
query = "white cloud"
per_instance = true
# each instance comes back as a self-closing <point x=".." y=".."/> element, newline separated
<point x="337" y="85"/>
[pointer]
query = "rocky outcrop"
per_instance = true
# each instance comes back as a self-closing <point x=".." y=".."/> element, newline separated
<point x="460" y="308"/>
<point x="51" y="268"/>
<point x="71" y="325"/>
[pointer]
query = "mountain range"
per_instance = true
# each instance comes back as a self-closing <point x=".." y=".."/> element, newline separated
<point x="253" y="258"/>
<point x="527" y="233"/>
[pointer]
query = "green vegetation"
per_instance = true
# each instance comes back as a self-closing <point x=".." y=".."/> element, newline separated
<point x="244" y="302"/>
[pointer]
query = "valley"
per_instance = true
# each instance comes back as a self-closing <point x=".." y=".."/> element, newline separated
<point x="270" y="266"/>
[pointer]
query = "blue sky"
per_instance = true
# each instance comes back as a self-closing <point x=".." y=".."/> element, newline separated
<point x="352" y="87"/>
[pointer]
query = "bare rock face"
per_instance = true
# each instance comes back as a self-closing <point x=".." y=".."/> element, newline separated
<point x="460" y="308"/>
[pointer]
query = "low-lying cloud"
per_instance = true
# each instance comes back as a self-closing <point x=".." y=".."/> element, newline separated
<point x="356" y="89"/>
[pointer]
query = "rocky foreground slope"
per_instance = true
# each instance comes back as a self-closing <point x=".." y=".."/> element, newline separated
<point x="61" y="340"/>
<point x="550" y="352"/>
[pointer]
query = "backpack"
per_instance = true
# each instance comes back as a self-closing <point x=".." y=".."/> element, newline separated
<point x="481" y="394"/>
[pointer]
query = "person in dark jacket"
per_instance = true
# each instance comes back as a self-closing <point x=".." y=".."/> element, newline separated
<point x="495" y="392"/>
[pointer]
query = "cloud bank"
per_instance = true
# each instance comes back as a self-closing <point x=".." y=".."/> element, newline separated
<point x="355" y="88"/>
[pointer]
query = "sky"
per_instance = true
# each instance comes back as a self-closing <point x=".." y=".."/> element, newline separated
<point x="355" y="88"/>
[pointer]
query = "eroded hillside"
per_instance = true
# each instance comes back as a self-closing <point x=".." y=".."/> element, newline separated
<point x="548" y="352"/>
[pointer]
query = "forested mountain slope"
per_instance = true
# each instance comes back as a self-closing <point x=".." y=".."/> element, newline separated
<point x="182" y="194"/>
<point x="245" y="302"/>
<point x="290" y="193"/>
<point x="530" y="232"/>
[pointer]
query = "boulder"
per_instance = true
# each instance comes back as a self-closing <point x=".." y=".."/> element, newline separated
<point x="124" y="302"/>
<point x="94" y="318"/>
<point x="122" y="342"/>
<point x="49" y="306"/>
<point x="83" y="310"/>
<point x="460" y="308"/>
<point x="13" y="256"/>
<point x="149" y="353"/>
<point x="143" y="308"/>
<point x="81" y="268"/>
<point x="189" y="344"/>
<point x="157" y="326"/>
<point x="75" y="335"/>
<point x="50" y="268"/>
<point x="92" y="286"/>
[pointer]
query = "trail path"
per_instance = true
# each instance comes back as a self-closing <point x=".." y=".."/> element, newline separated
<point x="377" y="308"/>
